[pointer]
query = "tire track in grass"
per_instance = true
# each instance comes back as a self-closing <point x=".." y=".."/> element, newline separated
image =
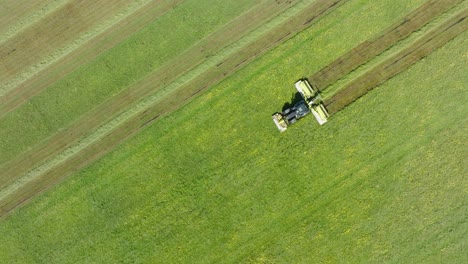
<point x="389" y="37"/>
<point x="51" y="173"/>
<point x="84" y="54"/>
<point x="57" y="35"/>
<point x="398" y="62"/>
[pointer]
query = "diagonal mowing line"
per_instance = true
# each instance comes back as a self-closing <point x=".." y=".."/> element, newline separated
<point x="87" y="52"/>
<point x="90" y="50"/>
<point x="166" y="74"/>
<point x="370" y="64"/>
<point x="177" y="82"/>
<point x="399" y="62"/>
<point x="66" y="50"/>
<point x="31" y="19"/>
<point x="389" y="37"/>
<point x="302" y="18"/>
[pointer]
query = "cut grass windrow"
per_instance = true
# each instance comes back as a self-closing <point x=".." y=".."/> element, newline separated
<point x="84" y="54"/>
<point x="168" y="73"/>
<point x="369" y="65"/>
<point x="370" y="49"/>
<point x="57" y="35"/>
<point x="398" y="62"/>
<point x="17" y="15"/>
<point x="114" y="134"/>
<point x="142" y="53"/>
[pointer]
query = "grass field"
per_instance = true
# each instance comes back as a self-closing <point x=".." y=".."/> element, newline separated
<point x="55" y="35"/>
<point x="87" y="149"/>
<point x="400" y="58"/>
<point x="84" y="89"/>
<point x="195" y="188"/>
<point x="53" y="117"/>
<point x="16" y="16"/>
<point x="214" y="181"/>
<point x="402" y="32"/>
<point x="22" y="182"/>
<point x="77" y="55"/>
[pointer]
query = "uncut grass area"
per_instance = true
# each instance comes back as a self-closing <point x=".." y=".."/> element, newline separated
<point x="215" y="182"/>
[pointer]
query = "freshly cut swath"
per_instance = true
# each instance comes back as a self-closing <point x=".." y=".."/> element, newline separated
<point x="84" y="54"/>
<point x="399" y="62"/>
<point x="27" y="186"/>
<point x="389" y="37"/>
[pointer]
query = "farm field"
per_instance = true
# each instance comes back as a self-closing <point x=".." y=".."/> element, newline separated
<point x="205" y="192"/>
<point x="45" y="175"/>
<point x="16" y="15"/>
<point x="397" y="61"/>
<point x="118" y="68"/>
<point x="387" y="41"/>
<point x="55" y="35"/>
<point x="59" y="65"/>
<point x="219" y="184"/>
<point x="13" y="175"/>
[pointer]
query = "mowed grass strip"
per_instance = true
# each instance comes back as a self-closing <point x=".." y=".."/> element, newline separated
<point x="226" y="35"/>
<point x="56" y="35"/>
<point x="127" y="124"/>
<point x="85" y="53"/>
<point x="397" y="63"/>
<point x="51" y="33"/>
<point x="389" y="37"/>
<point x="207" y="184"/>
<point x="354" y="9"/>
<point x="320" y="43"/>
<point x="392" y="51"/>
<point x="90" y="85"/>
<point x="16" y="15"/>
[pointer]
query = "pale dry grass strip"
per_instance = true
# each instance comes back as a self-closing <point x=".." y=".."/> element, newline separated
<point x="160" y="94"/>
<point x="399" y="62"/>
<point x="84" y="54"/>
<point x="15" y="16"/>
<point x="17" y="76"/>
<point x="131" y="121"/>
<point x="372" y="48"/>
<point x="361" y="70"/>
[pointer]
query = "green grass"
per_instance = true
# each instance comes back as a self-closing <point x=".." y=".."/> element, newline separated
<point x="64" y="102"/>
<point x="216" y="182"/>
<point x="157" y="97"/>
<point x="91" y="84"/>
<point x="399" y="46"/>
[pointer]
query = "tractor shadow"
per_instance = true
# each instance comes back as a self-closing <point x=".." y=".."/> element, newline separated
<point x="295" y="98"/>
